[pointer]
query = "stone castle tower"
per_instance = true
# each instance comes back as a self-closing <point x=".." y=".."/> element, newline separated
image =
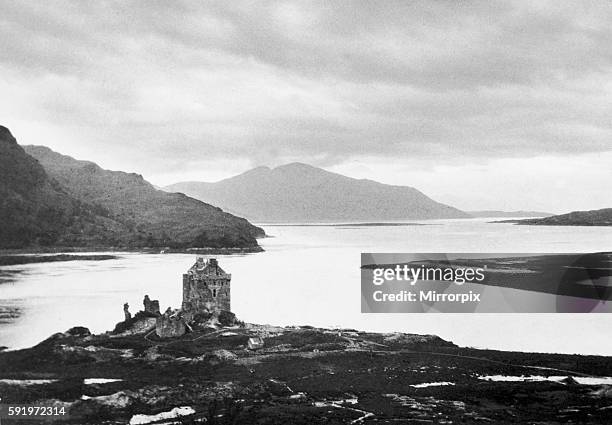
<point x="206" y="287"/>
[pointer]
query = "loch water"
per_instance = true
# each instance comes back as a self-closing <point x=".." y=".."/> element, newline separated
<point x="308" y="275"/>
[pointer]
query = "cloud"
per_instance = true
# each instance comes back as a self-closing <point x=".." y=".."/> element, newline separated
<point x="156" y="86"/>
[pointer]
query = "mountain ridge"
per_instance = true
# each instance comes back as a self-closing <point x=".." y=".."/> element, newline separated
<point x="35" y="210"/>
<point x="153" y="217"/>
<point x="298" y="192"/>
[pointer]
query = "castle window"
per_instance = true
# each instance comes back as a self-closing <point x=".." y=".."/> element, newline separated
<point x="214" y="293"/>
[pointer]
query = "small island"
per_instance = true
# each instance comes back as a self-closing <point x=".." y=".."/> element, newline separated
<point x="602" y="217"/>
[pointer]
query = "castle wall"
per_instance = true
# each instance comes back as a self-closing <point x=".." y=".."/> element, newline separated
<point x="209" y="294"/>
<point x="186" y="289"/>
<point x="206" y="288"/>
<point x="151" y="306"/>
<point x="168" y="327"/>
<point x="224" y="298"/>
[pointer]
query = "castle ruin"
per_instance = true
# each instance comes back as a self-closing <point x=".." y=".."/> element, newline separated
<point x="206" y="292"/>
<point x="151" y="306"/>
<point x="170" y="324"/>
<point x="206" y="288"/>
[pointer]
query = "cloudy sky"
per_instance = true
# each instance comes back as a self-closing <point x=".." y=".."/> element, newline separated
<point x="479" y="104"/>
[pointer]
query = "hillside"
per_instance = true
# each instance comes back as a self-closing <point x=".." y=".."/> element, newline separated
<point x="151" y="217"/>
<point x="601" y="217"/>
<point x="302" y="193"/>
<point x="35" y="211"/>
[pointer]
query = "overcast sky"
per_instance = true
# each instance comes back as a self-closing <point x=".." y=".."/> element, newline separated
<point x="479" y="104"/>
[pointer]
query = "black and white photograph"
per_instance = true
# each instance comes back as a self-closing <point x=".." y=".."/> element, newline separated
<point x="305" y="212"/>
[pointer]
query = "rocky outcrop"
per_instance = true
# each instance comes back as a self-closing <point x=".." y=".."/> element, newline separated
<point x="141" y="322"/>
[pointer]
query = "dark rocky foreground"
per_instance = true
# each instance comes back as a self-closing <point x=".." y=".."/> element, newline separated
<point x="302" y="375"/>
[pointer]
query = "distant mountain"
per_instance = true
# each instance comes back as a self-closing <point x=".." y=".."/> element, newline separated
<point x="35" y="210"/>
<point x="495" y="213"/>
<point x="601" y="217"/>
<point x="149" y="217"/>
<point x="301" y="193"/>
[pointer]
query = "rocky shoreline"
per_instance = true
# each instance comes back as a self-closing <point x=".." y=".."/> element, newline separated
<point x="12" y="260"/>
<point x="28" y="256"/>
<point x="301" y="375"/>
